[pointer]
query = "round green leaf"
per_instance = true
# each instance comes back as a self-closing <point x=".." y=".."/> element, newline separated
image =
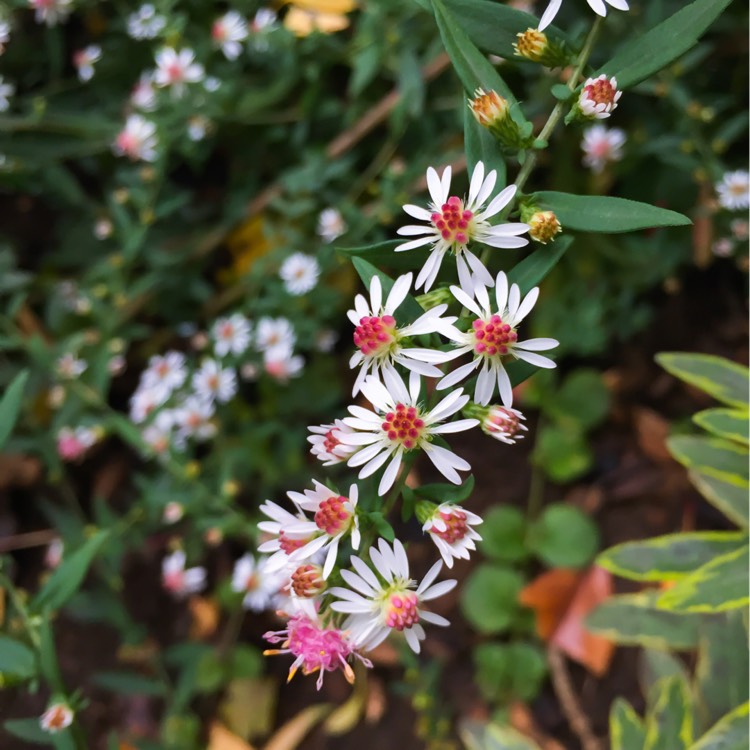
<point x="503" y="533"/>
<point x="564" y="537"/>
<point x="490" y="598"/>
<point x="562" y="454"/>
<point x="509" y="671"/>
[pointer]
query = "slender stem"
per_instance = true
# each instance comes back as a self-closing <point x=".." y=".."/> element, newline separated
<point x="560" y="107"/>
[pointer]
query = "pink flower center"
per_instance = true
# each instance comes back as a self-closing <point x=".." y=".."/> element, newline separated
<point x="402" y="612"/>
<point x="455" y="527"/>
<point x="332" y="517"/>
<point x="453" y="221"/>
<point x="175" y="72"/>
<point x="307" y="581"/>
<point x="404" y="426"/>
<point x="70" y="448"/>
<point x="289" y="544"/>
<point x="218" y="32"/>
<point x="493" y="337"/>
<point x="226" y="331"/>
<point x="374" y="335"/>
<point x="56" y="718"/>
<point x="174" y="581"/>
<point x="330" y="442"/>
<point x="502" y="420"/>
<point x="601" y="91"/>
<point x="128" y="143"/>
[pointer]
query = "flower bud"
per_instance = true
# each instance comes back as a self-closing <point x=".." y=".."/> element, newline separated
<point x="492" y="111"/>
<point x="435" y="297"/>
<point x="503" y="423"/>
<point x="534" y="45"/>
<point x="543" y="226"/>
<point x="597" y="100"/>
<point x="307" y="581"/>
<point x="425" y="510"/>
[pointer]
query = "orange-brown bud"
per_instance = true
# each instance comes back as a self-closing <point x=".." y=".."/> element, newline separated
<point x="489" y="108"/>
<point x="543" y="226"/>
<point x="532" y="44"/>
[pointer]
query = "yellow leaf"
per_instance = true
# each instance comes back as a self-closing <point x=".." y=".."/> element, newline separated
<point x="304" y="22"/>
<point x="347" y="716"/>
<point x="296" y="729"/>
<point x="220" y="738"/>
<point x="247" y="244"/>
<point x="261" y="694"/>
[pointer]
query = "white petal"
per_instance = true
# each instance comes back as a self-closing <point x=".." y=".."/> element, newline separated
<point x="434" y="619"/>
<point x="434" y="186"/>
<point x="537" y="345"/>
<point x="414" y="229"/>
<point x="398" y="293"/>
<point x="445" y="184"/>
<point x="389" y="475"/>
<point x="417" y="212"/>
<point x="501" y="292"/>
<point x="372" y="466"/>
<point x="549" y="15"/>
<point x="457" y="375"/>
<point x="536" y="359"/>
<point x="477" y="178"/>
<point x="413" y="244"/>
<point x="448" y="406"/>
<point x="504" y="387"/>
<point x="376" y="295"/>
<point x="458" y="426"/>
<point x="466" y="300"/>
<point x="358" y="583"/>
<point x="499" y="202"/>
<point x="487" y="188"/>
<point x="429" y="577"/>
<point x="412" y="640"/>
<point x="438" y="590"/>
<point x="598" y="7"/>
<point x="526" y="306"/>
<point x="485" y="386"/>
<point x="514" y="300"/>
<point x="506" y="242"/>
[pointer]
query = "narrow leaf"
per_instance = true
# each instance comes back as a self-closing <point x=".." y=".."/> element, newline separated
<point x="662" y="44"/>
<point x="531" y="270"/>
<point x="28" y="730"/>
<point x="669" y="725"/>
<point x="10" y="405"/>
<point x="721" y="378"/>
<point x="712" y="456"/>
<point x="16" y="658"/>
<point x="383" y="254"/>
<point x="727" y="423"/>
<point x="605" y="214"/>
<point x="728" y="494"/>
<point x="626" y="728"/>
<point x="669" y="557"/>
<point x="728" y="733"/>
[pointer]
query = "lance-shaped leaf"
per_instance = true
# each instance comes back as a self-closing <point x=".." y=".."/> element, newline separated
<point x="10" y="405"/>
<point x="728" y="733"/>
<point x="16" y="658"/>
<point x="605" y="214"/>
<point x="633" y="619"/>
<point x="662" y="44"/>
<point x="712" y="456"/>
<point x="669" y="557"/>
<point x="721" y="378"/>
<point x="719" y="586"/>
<point x="669" y="725"/>
<point x="721" y="676"/>
<point x="383" y="254"/>
<point x="532" y="269"/>
<point x="728" y="423"/>
<point x="728" y="494"/>
<point x="626" y="729"/>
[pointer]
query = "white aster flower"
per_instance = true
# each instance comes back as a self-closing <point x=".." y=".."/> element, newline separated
<point x="4" y="35"/>
<point x="452" y="223"/>
<point x="145" y="23"/>
<point x="325" y="340"/>
<point x="598" y="6"/>
<point x="599" y="97"/>
<point x="331" y="224"/>
<point x="274" y="332"/>
<point x="733" y="190"/>
<point x="168" y="371"/>
<point x="334" y="516"/>
<point x="391" y="600"/>
<point x="193" y="418"/>
<point x="56" y="718"/>
<point x="173" y="512"/>
<point x="401" y="424"/>
<point x="228" y="31"/>
<point x="159" y="435"/>
<point x="50" y="12"/>
<point x="146" y="400"/>
<point x="450" y="527"/>
<point x="601" y="146"/>
<point x="231" y="335"/>
<point x="326" y="444"/>
<point x="504" y="424"/>
<point x="143" y="95"/>
<point x="257" y="581"/>
<point x="6" y="91"/>
<point x="740" y="229"/>
<point x="281" y="363"/>
<point x="175" y="69"/>
<point x="282" y="542"/>
<point x="198" y="128"/>
<point x="179" y="581"/>
<point x="137" y="140"/>
<point x="69" y="366"/>
<point x="212" y="381"/>
<point x="493" y="338"/>
<point x="84" y="60"/>
<point x="299" y="272"/>
<point x="263" y="22"/>
<point x="379" y="340"/>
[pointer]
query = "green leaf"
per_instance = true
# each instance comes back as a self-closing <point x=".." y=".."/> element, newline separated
<point x="719" y="586"/>
<point x="48" y="664"/>
<point x="728" y="494"/>
<point x="709" y="455"/>
<point x="583" y="399"/>
<point x="563" y="537"/>
<point x="664" y="43"/>
<point x="605" y="214"/>
<point x="16" y="658"/>
<point x="481" y="736"/>
<point x="10" y="405"/>
<point x="480" y="145"/>
<point x="409" y="308"/>
<point x="721" y="675"/>
<point x="384" y="254"/>
<point x="669" y="557"/>
<point x="67" y="578"/>
<point x="655" y="666"/>
<point x="669" y="725"/>
<point x="29" y="730"/>
<point x="562" y="453"/>
<point x="489" y="599"/>
<point x="729" y="733"/>
<point x="728" y="423"/>
<point x="129" y="683"/>
<point x="472" y="67"/>
<point x="532" y="269"/>
<point x="721" y="378"/>
<point x="626" y="730"/>
<point x="503" y="534"/>
<point x="493" y="27"/>
<point x="447" y="493"/>
<point x="382" y="526"/>
<point x="509" y="671"/>
<point x="633" y="619"/>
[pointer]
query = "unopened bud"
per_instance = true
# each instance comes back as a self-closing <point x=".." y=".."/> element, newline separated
<point x="534" y="45"/>
<point x="307" y="581"/>
<point x="543" y="226"/>
<point x="440" y="296"/>
<point x="597" y="100"/>
<point x="492" y="111"/>
<point x="425" y="510"/>
<point x="503" y="423"/>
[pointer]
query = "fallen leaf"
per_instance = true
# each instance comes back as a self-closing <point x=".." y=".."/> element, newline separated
<point x="296" y="729"/>
<point x="376" y="700"/>
<point x="344" y="718"/>
<point x="241" y="693"/>
<point x="652" y="431"/>
<point x="522" y="719"/>
<point x="220" y="738"/>
<point x="205" y="617"/>
<point x="561" y="599"/>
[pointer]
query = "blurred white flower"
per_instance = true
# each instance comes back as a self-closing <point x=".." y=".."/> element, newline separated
<point x="198" y="127"/>
<point x="733" y="190"/>
<point x="50" y="12"/>
<point x="228" y="31"/>
<point x="168" y="371"/>
<point x="214" y="382"/>
<point x="331" y="224"/>
<point x="84" y="60"/>
<point x="56" y="718"/>
<point x="143" y="95"/>
<point x="6" y="91"/>
<point x="273" y="333"/>
<point x="145" y="23"/>
<point x="601" y="146"/>
<point x="723" y="247"/>
<point x="231" y="335"/>
<point x="193" y="418"/>
<point x="4" y="35"/>
<point x="299" y="272"/>
<point x="281" y="363"/>
<point x="69" y="366"/>
<point x="179" y="581"/>
<point x="137" y="140"/>
<point x="259" y="584"/>
<point x="174" y="69"/>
